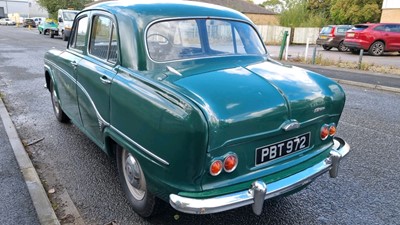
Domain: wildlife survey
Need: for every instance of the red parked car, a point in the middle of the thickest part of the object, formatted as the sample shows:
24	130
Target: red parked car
376	38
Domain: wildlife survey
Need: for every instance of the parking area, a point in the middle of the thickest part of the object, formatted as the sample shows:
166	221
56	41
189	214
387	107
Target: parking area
298	51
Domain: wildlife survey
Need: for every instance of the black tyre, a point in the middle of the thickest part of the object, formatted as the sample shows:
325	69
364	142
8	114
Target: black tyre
133	183
64	37
327	48
58	112
342	47
40	32
355	51
51	34
377	48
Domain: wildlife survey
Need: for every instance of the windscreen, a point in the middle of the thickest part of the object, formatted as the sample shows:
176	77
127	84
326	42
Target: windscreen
198	38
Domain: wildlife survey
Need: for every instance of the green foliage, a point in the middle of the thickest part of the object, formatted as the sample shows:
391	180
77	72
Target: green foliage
317	13
356	11
53	6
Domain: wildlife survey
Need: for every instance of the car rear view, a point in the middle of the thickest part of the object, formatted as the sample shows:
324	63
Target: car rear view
332	37
374	38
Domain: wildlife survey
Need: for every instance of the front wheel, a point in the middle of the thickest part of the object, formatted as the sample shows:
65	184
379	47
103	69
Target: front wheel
51	34
134	184
377	48
59	113
64	37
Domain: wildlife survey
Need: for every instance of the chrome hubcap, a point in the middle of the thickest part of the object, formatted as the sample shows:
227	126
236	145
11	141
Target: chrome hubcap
378	48
55	103
134	176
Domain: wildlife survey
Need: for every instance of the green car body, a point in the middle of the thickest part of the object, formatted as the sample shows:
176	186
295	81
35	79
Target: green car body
47	26
174	114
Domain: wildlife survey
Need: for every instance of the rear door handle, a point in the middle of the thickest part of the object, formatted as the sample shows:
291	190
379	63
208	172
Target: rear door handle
105	80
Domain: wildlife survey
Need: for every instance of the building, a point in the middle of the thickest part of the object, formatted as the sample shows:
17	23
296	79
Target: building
259	15
390	11
22	8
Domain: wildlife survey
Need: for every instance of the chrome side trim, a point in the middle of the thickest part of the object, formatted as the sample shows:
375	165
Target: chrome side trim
140	147
251	196
102	122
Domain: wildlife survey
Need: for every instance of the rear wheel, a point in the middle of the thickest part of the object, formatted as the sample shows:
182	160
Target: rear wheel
51	34
342	47
327	48
377	48
64	37
58	112
133	183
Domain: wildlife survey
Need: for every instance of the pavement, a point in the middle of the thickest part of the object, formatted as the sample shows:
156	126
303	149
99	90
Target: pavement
32	206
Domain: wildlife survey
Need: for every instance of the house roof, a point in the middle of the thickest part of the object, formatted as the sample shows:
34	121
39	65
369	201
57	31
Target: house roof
242	6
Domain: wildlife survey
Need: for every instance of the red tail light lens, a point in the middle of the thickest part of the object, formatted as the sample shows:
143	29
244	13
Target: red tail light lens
216	167
332	34
332	129
230	163
324	132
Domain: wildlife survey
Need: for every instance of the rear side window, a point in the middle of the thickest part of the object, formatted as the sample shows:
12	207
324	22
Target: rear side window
103	42
342	30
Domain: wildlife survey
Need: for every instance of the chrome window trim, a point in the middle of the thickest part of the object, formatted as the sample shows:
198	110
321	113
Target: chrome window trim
195	18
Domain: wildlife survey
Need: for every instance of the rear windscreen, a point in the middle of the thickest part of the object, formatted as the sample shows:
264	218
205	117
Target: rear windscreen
326	30
359	27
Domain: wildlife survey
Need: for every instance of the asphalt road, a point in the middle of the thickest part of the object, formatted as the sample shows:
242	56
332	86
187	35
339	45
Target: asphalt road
366	191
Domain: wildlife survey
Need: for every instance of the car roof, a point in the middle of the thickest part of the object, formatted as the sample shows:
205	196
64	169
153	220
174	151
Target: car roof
148	11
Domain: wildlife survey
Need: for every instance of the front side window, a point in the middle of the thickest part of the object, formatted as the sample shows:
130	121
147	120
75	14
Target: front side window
200	38
103	42
80	32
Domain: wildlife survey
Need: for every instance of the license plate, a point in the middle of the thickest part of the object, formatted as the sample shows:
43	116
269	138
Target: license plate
350	35
279	149
323	37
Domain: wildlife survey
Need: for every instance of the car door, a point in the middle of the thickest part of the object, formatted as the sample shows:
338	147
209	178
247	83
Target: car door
392	37
65	74
95	74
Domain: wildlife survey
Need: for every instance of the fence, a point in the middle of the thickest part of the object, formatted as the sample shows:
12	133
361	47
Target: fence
273	34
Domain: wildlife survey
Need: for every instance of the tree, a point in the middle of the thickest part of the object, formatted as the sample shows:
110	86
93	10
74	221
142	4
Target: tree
53	6
355	11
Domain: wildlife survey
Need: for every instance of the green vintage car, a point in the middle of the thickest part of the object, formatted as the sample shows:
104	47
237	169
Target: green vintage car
197	114
47	26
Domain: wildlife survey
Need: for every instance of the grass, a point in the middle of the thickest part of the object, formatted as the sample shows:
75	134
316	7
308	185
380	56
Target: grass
319	60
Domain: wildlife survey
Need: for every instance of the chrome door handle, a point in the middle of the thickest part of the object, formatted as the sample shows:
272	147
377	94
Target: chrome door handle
74	64
105	80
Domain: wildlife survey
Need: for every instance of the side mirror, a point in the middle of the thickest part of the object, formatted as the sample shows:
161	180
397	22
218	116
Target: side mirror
60	20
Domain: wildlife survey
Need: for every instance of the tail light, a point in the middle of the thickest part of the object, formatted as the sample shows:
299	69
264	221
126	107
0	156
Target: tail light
228	163
327	130
332	34
216	167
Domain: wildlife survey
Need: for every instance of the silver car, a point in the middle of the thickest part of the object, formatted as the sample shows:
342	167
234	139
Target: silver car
6	21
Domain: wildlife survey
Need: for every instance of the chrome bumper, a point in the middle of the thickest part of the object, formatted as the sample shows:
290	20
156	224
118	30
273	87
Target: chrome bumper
259	191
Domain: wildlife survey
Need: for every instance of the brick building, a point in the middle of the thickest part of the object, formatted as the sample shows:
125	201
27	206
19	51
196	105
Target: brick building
390	11
259	15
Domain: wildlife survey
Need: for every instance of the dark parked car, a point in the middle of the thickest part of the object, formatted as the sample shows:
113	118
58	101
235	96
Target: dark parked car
376	38
28	22
197	114
332	36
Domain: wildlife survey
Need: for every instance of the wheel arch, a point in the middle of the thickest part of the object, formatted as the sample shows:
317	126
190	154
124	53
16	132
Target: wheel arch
376	41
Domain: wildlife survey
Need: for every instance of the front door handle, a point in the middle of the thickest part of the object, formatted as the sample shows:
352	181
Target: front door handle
105	80
74	64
